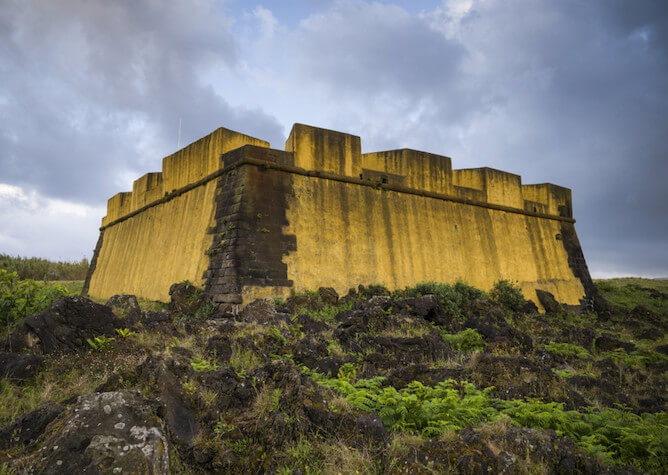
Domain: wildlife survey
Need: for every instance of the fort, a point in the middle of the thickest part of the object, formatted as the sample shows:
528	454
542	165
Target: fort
245	221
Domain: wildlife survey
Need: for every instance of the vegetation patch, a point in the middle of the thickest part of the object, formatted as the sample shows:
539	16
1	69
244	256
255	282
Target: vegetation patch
467	340
567	349
616	435
630	292
20	298
329	312
508	295
453	298
599	381
43	269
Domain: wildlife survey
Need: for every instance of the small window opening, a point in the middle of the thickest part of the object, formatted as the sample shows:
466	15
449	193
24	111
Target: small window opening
384	179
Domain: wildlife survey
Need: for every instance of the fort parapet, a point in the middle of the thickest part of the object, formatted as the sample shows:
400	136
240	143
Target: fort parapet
244	221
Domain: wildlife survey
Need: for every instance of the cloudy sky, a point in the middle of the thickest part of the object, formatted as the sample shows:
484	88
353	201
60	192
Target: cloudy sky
571	92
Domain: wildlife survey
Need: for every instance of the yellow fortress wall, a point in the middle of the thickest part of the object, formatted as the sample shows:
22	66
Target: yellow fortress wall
167	242
247	221
398	239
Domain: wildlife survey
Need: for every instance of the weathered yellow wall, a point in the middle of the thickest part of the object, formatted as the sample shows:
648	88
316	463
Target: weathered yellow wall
337	229
146	254
166	243
356	234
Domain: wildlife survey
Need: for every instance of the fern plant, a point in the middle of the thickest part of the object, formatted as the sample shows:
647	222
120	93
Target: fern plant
100	343
616	435
202	364
125	332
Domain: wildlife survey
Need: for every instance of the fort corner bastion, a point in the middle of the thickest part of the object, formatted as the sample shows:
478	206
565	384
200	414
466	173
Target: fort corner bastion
244	221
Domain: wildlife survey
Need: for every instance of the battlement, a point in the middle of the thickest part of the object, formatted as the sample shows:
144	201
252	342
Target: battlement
188	165
336	153
244	220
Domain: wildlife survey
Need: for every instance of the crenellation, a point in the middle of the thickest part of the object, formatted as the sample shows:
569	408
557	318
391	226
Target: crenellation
410	168
499	187
117	206
325	150
556	198
202	157
146	189
469	178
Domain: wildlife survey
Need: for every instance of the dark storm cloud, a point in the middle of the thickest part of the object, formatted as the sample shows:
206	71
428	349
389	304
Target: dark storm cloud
92	92
569	92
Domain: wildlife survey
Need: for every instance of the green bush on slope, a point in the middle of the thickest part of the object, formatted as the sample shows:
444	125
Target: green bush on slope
466	340
453	298
508	295
20	298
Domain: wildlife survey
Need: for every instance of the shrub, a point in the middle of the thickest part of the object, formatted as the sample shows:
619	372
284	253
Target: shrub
468	293
467	340
508	295
20	298
206	310
453	298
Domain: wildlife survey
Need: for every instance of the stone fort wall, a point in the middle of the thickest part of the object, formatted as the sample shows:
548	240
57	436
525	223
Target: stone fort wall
246	221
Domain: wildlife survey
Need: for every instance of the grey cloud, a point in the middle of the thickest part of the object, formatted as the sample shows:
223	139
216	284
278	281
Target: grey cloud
93	91
568	92
363	49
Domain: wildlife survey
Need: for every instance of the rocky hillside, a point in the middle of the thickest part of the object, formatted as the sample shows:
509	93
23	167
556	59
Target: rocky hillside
432	379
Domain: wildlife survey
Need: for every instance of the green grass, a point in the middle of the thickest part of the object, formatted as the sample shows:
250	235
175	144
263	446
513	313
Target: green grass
152	305
62	377
329	312
629	292
74	287
638	359
202	364
569	373
567	349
